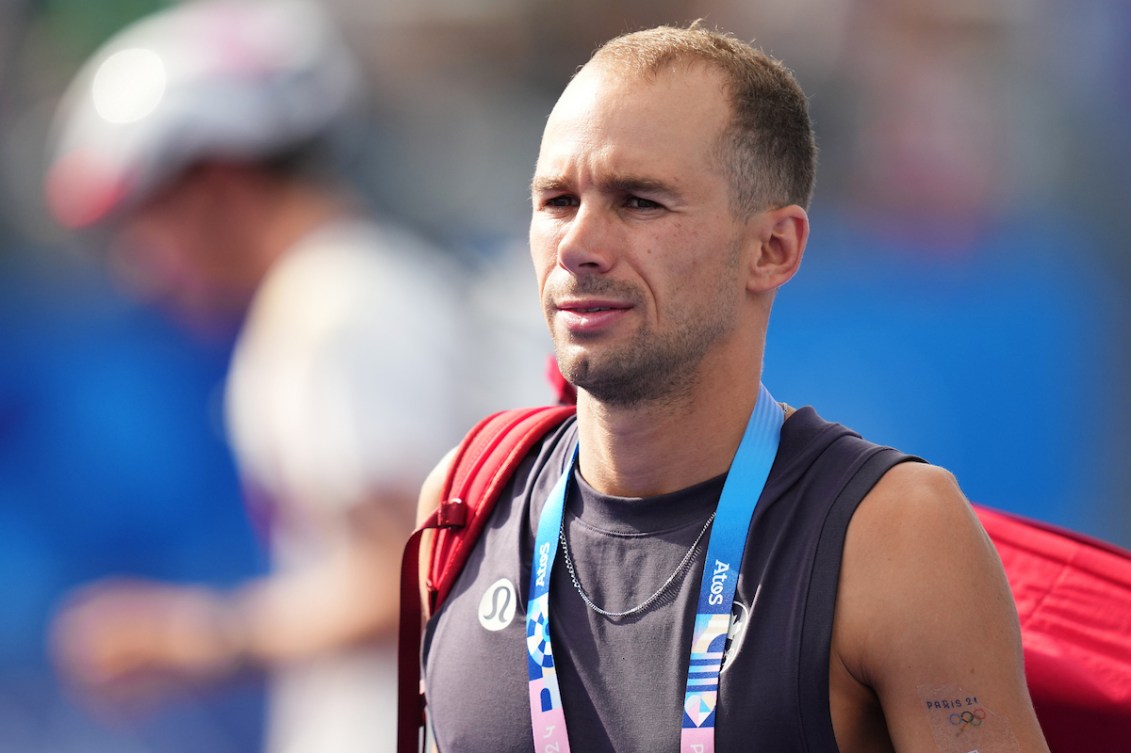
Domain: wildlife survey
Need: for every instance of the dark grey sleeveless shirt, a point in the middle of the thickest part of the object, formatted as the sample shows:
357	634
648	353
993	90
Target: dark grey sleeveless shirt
622	679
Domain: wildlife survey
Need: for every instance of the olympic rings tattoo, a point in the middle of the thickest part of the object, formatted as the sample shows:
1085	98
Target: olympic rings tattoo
968	719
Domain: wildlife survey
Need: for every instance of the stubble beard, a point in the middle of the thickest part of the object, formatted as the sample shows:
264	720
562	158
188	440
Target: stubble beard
651	367
647	370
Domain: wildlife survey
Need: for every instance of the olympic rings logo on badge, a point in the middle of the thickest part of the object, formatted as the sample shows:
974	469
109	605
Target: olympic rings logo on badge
968	719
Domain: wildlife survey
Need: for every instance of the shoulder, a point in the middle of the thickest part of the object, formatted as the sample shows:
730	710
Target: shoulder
355	265
916	528
916	562
913	494
916	516
433	487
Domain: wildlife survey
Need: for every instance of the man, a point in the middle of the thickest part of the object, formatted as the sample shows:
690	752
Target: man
871	612
196	141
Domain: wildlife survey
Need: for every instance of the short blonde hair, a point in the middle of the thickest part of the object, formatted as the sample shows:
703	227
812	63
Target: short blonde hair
768	151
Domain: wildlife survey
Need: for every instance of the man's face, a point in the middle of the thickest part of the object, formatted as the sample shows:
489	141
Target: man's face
636	251
179	251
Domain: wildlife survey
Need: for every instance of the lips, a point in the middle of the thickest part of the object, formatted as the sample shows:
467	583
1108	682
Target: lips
589	317
581	308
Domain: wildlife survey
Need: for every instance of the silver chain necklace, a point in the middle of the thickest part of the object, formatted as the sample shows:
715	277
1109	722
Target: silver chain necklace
680	569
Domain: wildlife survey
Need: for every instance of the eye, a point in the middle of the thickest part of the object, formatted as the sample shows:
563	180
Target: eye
561	201
637	202
555	202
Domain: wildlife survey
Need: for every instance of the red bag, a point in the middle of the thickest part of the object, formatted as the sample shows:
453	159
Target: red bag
1073	595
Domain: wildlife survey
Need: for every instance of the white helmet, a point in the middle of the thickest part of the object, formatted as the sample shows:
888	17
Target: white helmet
212	79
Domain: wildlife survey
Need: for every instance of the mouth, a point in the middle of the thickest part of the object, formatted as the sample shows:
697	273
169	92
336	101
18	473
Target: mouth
587	310
589	317
590	306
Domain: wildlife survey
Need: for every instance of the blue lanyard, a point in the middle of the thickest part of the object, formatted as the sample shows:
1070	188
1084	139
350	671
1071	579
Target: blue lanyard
743	487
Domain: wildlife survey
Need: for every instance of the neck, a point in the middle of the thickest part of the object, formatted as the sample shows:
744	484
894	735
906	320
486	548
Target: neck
646	450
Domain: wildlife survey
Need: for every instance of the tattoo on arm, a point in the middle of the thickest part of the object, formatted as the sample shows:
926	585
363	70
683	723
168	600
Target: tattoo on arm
961	723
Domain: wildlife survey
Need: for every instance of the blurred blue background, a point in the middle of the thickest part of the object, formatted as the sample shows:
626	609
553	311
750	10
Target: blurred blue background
963	296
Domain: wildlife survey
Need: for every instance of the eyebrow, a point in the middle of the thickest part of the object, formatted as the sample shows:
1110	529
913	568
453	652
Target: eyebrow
617	184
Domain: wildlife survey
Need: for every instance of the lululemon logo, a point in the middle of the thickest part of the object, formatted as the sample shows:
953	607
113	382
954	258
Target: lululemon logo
498	605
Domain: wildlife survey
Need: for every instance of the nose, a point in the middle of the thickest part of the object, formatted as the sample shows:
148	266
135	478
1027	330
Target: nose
588	242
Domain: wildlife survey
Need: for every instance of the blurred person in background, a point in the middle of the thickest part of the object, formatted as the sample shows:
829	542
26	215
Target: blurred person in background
194	144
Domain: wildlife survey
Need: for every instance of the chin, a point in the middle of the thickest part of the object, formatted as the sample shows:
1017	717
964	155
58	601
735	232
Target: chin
575	367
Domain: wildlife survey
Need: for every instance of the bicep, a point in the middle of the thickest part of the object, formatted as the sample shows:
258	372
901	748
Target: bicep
926	620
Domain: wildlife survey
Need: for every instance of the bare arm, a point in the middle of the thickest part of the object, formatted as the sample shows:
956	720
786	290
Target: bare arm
427	503
926	638
349	597
129	641
430	493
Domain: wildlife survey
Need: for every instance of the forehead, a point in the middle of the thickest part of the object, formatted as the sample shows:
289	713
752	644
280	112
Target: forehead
609	120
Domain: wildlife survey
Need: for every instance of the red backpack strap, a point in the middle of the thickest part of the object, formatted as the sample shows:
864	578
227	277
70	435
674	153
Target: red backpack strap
483	464
486	461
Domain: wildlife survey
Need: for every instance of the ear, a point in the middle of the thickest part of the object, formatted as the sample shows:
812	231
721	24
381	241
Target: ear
779	243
